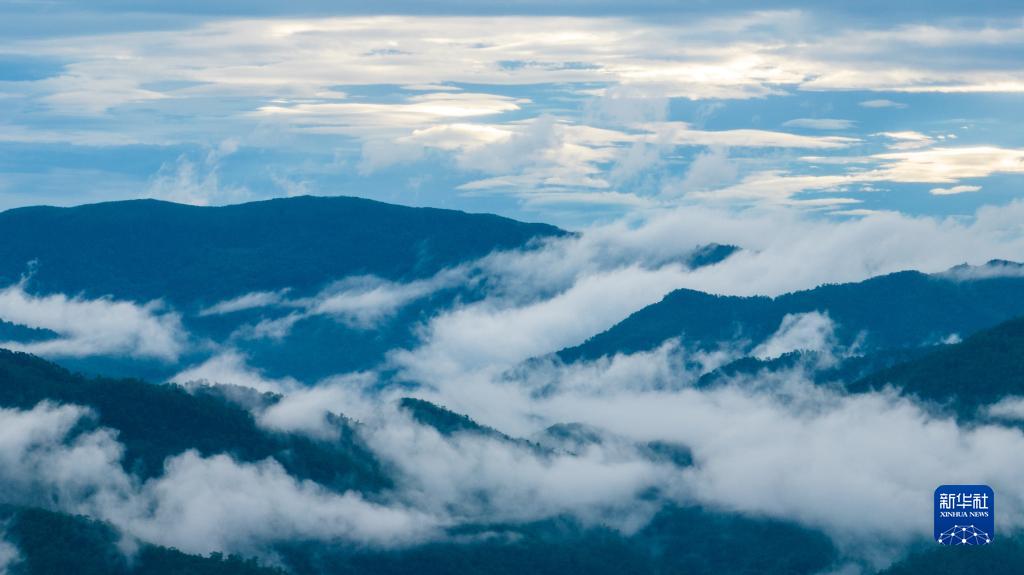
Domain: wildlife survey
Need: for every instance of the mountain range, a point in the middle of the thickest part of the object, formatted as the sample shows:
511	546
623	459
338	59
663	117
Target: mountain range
953	341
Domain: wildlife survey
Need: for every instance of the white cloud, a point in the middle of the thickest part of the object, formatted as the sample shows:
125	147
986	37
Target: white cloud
812	331
207	504
307	410
953	190
198	505
882	103
490	335
103	326
229	367
947	165
991	269
820	123
9	554
710	169
360	302
916	162
283	75
681	133
1010	408
253	300
188	183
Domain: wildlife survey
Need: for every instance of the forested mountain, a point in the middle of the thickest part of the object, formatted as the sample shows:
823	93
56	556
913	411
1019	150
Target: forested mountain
678	540
51	543
905	309
187	255
980	370
158	421
1005	556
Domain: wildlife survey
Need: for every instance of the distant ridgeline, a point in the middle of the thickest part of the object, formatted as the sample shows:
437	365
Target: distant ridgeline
903	310
194	257
191	256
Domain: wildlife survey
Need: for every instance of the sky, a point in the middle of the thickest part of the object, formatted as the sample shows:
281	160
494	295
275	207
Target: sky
566	112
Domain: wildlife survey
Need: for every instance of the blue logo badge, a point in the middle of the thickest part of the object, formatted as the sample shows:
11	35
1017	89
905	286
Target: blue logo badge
964	515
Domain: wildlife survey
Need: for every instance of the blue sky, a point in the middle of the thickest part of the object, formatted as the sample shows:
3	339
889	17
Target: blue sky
570	112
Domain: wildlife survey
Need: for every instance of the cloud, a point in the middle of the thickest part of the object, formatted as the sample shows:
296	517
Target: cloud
486	335
383	91
185	182
207	504
252	300
569	289
229	367
907	140
360	302
308	410
10	556
681	133
953	190
88	327
882	103
198	505
747	438
710	169
990	269
812	331
820	123
46	464
914	162
478	478
1008	408
948	165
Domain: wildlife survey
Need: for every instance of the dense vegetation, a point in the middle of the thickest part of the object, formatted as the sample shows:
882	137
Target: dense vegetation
678	540
58	544
15	332
1005	556
146	249
980	370
844	369
158	421
905	309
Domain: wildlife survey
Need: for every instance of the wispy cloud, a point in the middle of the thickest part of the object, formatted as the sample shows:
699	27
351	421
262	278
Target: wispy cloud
88	327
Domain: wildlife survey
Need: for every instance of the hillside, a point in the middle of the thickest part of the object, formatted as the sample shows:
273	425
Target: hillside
51	543
905	309
146	249
158	421
978	371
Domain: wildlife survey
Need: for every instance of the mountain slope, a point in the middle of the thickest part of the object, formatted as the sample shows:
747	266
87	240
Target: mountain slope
1005	556
51	543
147	249
678	540
158	421
980	370
903	309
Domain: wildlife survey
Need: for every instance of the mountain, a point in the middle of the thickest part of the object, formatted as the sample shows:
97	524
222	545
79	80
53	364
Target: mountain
842	369
677	540
1005	556
52	543
193	257
904	309
158	421
188	255
980	370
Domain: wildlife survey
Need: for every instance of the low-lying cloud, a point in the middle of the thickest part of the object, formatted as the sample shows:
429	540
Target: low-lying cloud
88	327
200	504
